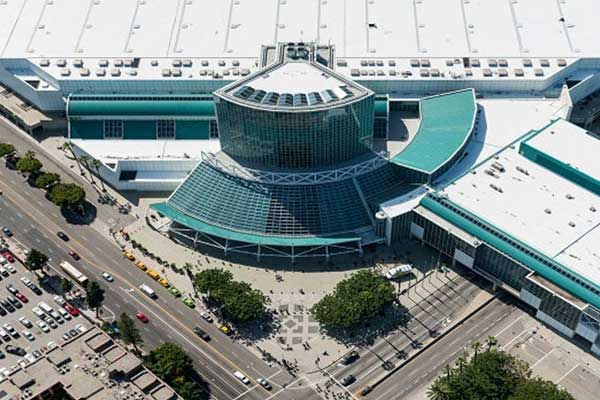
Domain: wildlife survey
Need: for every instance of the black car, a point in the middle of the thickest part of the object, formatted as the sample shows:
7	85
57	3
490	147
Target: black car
14	302
201	333
2	355
366	390
7	305
63	236
2	312
349	380
7	231
12	289
18	351
35	289
73	333
350	358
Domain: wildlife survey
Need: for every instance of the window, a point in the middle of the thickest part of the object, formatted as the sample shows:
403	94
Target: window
113	129
213	129
165	129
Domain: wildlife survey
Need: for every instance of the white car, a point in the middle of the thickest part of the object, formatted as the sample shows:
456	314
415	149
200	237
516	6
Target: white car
37	311
25	322
43	326
28	335
63	313
80	328
108	277
57	317
26	281
11	269
3	261
59	300
11	330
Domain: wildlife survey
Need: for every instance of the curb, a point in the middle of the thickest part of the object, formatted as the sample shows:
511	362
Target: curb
379	381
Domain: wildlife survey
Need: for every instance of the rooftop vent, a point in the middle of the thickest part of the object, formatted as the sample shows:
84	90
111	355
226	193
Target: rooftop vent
569	196
548	211
572	224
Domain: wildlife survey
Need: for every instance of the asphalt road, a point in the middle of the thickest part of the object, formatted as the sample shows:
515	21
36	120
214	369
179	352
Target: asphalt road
433	310
424	368
35	221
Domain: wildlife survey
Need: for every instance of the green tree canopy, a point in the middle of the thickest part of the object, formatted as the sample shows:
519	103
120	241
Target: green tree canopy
6	149
354	300
35	260
129	332
538	388
29	163
67	195
492	374
46	180
66	285
94	295
173	365
238	301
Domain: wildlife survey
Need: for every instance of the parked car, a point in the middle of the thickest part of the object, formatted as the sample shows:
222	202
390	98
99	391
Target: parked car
206	316
350	358
25	322
14	302
189	302
225	329
6	254
28	335
43	326
11	268
21	297
174	291
72	310
12	289
349	380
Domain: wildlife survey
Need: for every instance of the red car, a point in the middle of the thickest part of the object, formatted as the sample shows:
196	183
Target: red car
9	257
72	310
21	297
142	317
73	254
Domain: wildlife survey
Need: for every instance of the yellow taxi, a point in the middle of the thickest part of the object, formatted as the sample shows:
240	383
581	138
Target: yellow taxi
164	282
141	265
153	274
225	329
128	256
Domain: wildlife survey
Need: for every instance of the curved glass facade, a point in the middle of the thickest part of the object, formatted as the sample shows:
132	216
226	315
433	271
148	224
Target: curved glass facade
298	140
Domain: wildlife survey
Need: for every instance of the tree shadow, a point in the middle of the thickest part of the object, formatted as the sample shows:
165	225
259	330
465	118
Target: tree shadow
391	319
74	217
264	328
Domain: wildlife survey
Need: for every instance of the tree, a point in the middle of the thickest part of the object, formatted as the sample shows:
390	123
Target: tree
129	332
68	195
47	180
69	146
85	160
538	388
66	285
438	391
6	149
97	164
354	300
94	296
29	163
170	363
238	301
35	260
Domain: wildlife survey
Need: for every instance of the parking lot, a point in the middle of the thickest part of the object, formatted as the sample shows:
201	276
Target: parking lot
31	318
552	357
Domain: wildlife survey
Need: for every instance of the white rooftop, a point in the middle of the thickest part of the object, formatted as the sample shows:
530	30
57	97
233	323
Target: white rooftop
297	77
236	29
570	144
549	213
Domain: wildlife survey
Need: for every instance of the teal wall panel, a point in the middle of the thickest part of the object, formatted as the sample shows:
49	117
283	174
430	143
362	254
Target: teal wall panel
139	129
87	129
190	130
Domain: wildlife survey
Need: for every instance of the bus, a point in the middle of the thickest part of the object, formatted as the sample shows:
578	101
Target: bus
74	273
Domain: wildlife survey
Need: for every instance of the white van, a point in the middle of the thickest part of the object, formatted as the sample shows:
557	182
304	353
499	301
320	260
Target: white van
45	307
148	291
241	377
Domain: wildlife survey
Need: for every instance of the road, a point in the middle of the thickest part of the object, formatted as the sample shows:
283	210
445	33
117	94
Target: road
413	377
433	310
35	221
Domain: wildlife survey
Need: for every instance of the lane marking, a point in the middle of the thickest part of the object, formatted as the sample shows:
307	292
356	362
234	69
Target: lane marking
90	262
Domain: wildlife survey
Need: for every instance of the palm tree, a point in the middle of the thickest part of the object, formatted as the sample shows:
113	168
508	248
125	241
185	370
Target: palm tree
84	158
476	347
491	342
462	360
448	372
69	146
439	390
96	164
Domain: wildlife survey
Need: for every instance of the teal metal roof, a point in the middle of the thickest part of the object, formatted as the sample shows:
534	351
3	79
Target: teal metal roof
446	124
151	106
195	224
513	247
381	107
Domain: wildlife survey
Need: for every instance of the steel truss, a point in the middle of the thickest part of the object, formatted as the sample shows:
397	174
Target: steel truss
191	238
301	178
